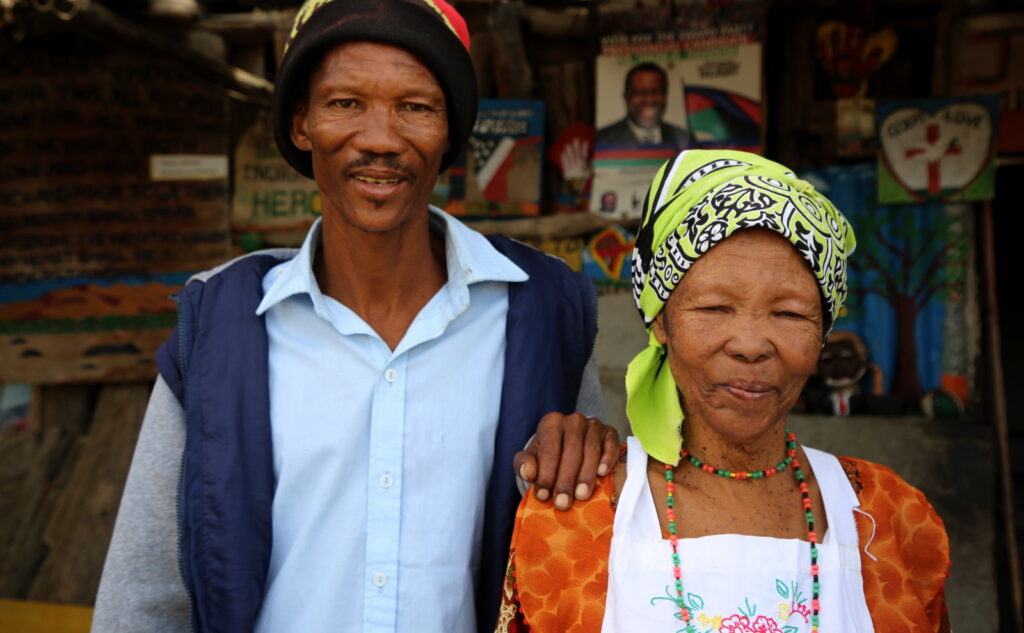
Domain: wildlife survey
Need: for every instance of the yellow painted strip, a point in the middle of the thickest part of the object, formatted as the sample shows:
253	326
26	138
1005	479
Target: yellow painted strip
443	16
19	616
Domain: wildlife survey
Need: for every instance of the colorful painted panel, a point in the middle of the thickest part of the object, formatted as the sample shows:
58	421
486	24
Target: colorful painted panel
986	55
937	150
105	208
850	56
269	194
607	257
910	288
500	172
95	328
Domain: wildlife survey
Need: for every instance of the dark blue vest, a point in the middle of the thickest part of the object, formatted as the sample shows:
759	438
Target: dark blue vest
216	364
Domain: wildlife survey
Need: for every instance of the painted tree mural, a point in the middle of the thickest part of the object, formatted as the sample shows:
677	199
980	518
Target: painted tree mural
908	257
908	279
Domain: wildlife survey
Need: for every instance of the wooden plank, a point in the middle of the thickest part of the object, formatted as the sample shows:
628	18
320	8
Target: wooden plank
64	413
105	27
78	531
1002	424
544	227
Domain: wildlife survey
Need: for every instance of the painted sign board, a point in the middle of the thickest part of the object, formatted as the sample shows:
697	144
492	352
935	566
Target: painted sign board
500	171
113	190
269	194
986	56
938	150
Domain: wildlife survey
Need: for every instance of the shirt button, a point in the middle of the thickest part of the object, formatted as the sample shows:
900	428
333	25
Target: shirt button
380	580
391	375
387	481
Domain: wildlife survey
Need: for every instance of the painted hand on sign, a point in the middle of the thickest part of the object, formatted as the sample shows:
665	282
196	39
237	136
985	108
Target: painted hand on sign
575	160
572	152
935	150
850	55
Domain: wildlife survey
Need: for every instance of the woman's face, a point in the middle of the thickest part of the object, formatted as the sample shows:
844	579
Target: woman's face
743	332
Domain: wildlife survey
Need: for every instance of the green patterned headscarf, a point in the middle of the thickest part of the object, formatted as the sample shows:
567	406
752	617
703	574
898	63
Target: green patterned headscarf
698	199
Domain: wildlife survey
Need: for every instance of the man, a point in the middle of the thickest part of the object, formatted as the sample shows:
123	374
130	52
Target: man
644	94
609	200
329	447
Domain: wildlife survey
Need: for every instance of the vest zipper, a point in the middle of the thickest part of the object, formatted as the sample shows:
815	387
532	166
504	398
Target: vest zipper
181	469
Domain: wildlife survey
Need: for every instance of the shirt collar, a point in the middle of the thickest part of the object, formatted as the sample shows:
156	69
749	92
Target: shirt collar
647	134
469	257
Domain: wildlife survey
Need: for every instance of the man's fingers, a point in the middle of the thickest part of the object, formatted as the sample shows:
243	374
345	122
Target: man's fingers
610	450
566	456
592	453
572	456
525	463
549	449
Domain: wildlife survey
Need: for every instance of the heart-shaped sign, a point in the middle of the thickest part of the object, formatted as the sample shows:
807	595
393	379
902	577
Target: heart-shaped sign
936	154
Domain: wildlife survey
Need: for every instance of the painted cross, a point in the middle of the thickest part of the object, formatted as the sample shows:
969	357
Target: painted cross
932	137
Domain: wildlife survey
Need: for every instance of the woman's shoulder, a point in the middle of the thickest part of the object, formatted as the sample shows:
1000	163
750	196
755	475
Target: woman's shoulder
593	516
888	497
558	565
903	539
879	486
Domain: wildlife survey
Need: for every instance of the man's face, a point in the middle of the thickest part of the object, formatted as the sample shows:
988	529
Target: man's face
608	201
376	125
645	98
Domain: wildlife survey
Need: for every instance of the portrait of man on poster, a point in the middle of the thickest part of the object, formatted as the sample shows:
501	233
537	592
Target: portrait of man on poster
644	93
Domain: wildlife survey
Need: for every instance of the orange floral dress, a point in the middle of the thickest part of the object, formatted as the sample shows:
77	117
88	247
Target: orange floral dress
557	574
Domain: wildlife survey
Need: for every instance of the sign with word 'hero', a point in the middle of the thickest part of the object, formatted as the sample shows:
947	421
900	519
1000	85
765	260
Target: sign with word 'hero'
269	194
937	150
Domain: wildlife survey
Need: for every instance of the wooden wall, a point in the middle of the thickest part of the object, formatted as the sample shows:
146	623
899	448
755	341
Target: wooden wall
60	487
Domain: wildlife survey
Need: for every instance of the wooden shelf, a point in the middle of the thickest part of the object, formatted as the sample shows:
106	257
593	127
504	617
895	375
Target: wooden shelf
107	27
545	227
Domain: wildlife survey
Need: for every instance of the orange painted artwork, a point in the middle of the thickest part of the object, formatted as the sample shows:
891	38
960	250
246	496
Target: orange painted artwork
85	328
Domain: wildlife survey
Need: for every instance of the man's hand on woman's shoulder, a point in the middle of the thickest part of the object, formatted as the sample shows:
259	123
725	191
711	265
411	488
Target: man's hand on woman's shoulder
566	456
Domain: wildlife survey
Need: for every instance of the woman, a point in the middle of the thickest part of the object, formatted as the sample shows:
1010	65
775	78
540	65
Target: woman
739	274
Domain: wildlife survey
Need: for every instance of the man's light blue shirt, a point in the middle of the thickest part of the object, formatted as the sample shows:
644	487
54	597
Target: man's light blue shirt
381	456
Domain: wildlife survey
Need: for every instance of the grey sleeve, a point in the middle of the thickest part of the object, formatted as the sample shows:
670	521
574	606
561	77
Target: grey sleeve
141	588
590	401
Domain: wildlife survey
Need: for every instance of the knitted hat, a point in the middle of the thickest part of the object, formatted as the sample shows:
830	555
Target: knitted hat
429	29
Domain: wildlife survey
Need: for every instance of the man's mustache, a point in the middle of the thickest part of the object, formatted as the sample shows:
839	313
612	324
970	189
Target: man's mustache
381	161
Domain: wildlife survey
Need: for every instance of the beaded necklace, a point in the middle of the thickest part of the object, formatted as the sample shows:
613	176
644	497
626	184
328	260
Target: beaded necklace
805	501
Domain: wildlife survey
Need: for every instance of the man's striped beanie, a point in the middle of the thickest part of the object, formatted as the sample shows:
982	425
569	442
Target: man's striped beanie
431	30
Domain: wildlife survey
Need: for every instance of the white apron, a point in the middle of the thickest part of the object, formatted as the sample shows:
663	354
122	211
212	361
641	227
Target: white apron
733	583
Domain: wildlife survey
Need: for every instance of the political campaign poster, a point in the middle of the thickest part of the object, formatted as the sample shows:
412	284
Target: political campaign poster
658	93
937	150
